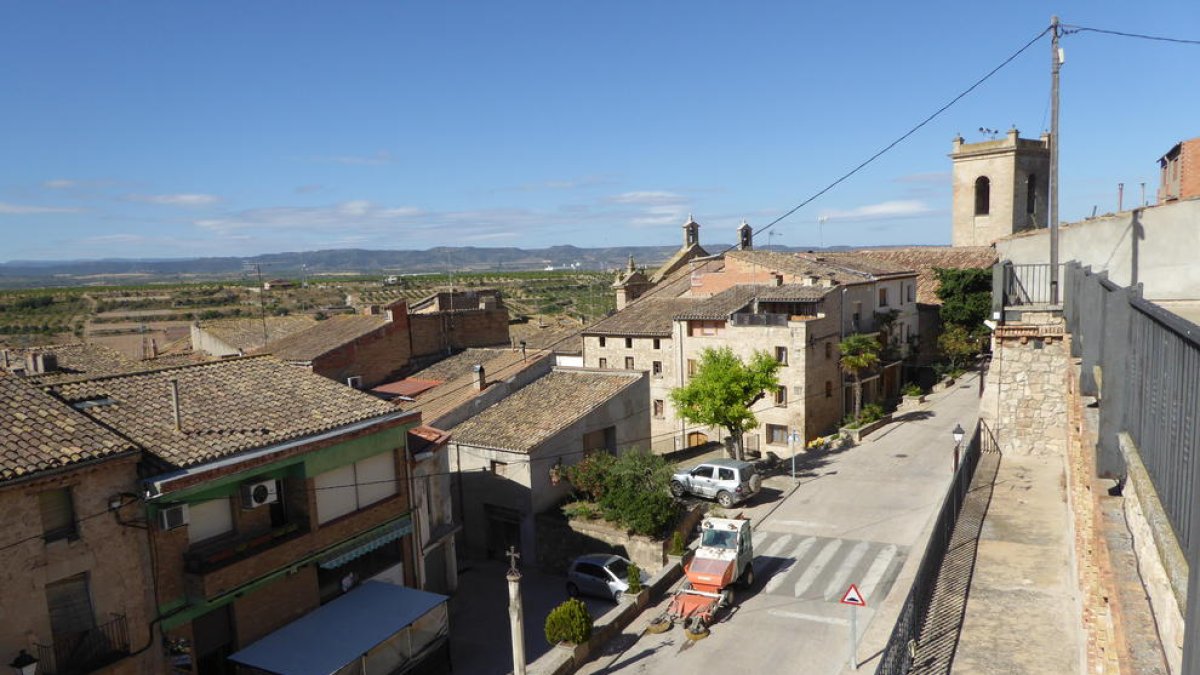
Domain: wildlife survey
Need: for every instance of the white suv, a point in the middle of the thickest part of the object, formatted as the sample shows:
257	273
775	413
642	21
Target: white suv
729	481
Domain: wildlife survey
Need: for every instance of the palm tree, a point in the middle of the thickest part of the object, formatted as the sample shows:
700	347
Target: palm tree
859	352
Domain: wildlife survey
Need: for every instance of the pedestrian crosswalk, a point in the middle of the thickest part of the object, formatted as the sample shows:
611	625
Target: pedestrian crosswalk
822	568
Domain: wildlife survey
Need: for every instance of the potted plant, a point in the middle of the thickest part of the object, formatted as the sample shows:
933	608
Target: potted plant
570	626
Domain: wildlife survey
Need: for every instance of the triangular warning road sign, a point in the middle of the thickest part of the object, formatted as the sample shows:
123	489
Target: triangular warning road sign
854	597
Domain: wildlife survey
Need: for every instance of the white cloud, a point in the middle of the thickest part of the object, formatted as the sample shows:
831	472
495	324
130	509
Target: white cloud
29	209
60	184
648	198
184	199
906	208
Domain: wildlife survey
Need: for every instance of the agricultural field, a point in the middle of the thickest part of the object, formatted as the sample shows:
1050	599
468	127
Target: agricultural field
133	319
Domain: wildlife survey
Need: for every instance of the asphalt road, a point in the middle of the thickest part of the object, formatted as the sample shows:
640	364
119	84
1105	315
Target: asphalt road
854	516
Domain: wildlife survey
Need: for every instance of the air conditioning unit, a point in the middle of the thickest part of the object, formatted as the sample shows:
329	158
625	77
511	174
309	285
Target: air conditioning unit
255	495
173	517
354	382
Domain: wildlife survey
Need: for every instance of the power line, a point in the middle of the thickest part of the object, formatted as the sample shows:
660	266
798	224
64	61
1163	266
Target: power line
905	135
1069	29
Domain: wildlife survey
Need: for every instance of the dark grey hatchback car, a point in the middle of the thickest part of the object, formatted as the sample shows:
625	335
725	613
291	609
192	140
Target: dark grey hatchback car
603	575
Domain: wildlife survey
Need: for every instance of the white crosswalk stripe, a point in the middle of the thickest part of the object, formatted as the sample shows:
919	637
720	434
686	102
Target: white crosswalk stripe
818	565
797	554
838	585
822	568
875	572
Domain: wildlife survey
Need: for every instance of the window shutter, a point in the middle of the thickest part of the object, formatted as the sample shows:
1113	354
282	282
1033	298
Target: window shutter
58	513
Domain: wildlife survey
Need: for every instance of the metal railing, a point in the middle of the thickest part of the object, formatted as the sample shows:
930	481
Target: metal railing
760	319
1143	364
86	651
1022	285
897	656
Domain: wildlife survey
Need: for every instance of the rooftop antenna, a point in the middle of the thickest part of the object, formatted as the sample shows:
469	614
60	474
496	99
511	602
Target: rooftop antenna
820	231
990	133
771	235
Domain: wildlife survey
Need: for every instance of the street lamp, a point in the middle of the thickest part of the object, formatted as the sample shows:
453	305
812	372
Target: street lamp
958	436
24	664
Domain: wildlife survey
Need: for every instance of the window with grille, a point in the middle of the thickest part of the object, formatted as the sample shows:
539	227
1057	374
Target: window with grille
656	368
58	515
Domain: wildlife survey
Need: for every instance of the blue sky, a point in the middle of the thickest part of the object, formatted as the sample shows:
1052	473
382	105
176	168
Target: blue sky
176	129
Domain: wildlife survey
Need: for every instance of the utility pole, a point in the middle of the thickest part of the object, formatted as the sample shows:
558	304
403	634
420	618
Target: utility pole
1055	65
515	614
262	308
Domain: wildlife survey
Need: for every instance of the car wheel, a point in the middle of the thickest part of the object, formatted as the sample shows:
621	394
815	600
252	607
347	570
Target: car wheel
617	596
572	590
724	499
677	488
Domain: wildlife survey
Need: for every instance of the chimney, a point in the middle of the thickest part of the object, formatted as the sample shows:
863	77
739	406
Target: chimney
480	377
174	384
40	363
778	278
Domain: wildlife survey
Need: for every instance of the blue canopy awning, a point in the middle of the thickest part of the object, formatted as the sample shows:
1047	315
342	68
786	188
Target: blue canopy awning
330	637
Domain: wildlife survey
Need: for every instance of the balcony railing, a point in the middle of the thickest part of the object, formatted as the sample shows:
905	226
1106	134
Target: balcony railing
1024	285
208	558
760	319
87	651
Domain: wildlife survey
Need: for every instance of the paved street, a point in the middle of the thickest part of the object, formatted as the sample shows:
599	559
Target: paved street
857	516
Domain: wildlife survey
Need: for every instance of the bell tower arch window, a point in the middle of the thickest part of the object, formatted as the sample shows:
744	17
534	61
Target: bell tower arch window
983	196
1031	194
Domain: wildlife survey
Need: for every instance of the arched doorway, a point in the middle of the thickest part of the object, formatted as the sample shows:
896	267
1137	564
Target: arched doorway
696	438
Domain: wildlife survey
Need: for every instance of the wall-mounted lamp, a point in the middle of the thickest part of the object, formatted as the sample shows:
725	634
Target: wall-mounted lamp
24	664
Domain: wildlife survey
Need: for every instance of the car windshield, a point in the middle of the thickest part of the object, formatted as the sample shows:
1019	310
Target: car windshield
619	568
719	539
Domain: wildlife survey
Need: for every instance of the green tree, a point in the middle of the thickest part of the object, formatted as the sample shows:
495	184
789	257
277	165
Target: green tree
966	296
636	493
723	389
859	352
958	345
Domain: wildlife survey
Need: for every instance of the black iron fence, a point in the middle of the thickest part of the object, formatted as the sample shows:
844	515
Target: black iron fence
1143	364
1023	285
85	651
897	656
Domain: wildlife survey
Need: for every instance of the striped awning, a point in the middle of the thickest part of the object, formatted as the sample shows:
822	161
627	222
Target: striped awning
364	544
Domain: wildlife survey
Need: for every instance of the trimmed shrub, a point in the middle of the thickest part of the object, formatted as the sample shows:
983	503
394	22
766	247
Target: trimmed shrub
634	579
913	389
677	543
569	622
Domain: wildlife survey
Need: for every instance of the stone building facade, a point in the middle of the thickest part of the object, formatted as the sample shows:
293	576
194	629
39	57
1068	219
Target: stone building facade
794	306
75	588
1000	187
269	491
509	458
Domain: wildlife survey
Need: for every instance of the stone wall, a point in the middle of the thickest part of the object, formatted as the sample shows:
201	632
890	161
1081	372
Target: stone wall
1025	395
115	559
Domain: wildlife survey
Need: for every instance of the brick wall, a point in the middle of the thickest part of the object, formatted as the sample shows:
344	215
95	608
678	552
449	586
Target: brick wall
1189	176
373	357
115	558
273	606
446	331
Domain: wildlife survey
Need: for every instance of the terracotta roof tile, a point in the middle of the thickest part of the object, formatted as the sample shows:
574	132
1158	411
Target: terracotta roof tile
925	259
436	402
86	360
226	407
844	268
325	336
523	420
38	432
459	364
247	334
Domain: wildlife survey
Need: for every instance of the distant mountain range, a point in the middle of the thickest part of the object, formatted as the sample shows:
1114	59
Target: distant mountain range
24	273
